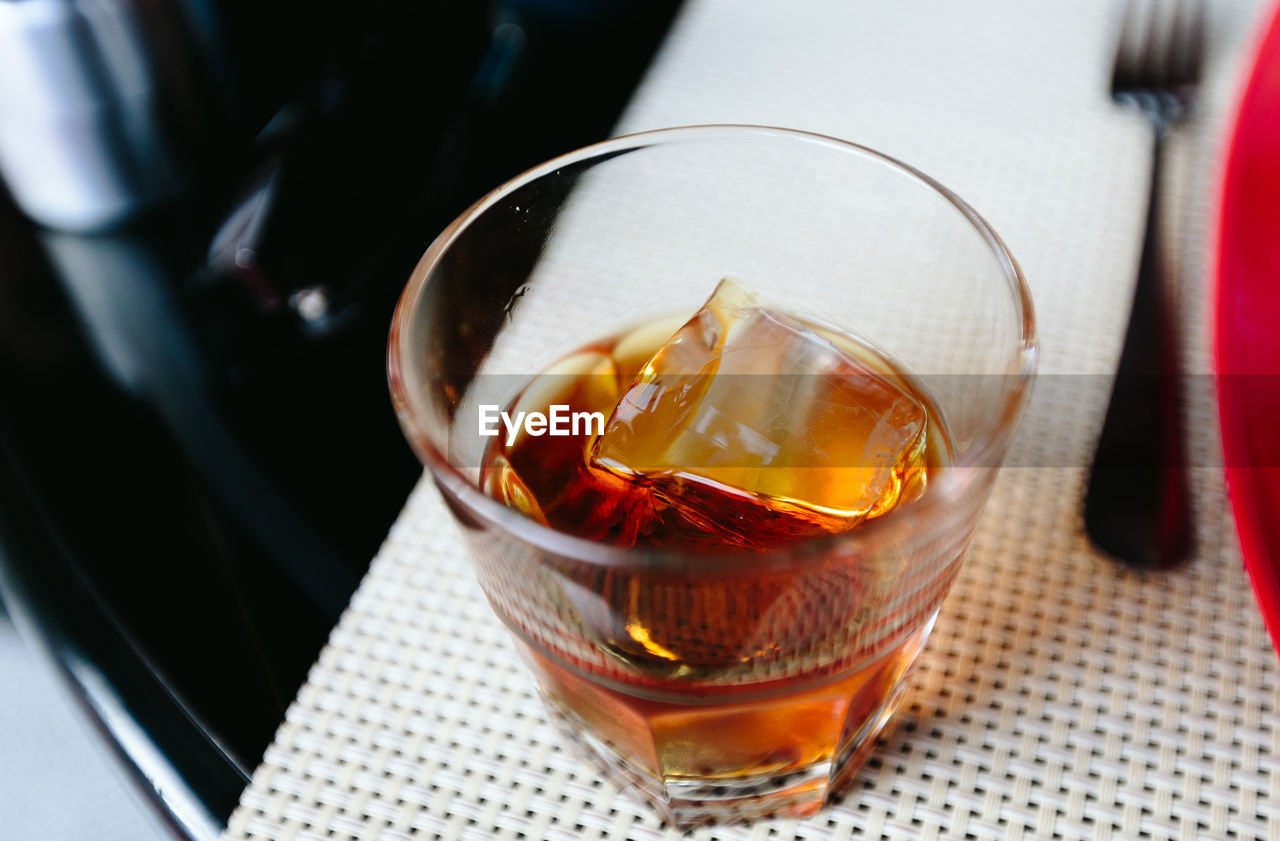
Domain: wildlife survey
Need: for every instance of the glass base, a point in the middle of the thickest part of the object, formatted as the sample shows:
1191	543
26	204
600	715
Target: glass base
720	763
686	802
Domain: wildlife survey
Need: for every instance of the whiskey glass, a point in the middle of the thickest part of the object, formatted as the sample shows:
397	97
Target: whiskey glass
785	662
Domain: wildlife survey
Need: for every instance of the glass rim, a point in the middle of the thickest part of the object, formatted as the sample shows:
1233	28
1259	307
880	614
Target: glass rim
953	481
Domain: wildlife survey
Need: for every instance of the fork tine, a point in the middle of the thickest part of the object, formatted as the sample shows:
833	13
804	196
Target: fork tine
1188	45
1160	48
1194	45
1175	47
1184	45
1128	59
1162	52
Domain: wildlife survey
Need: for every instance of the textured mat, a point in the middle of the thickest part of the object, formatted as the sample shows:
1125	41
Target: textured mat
1058	696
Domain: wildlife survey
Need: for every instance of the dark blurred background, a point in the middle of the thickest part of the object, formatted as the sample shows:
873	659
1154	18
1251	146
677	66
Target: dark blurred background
209	209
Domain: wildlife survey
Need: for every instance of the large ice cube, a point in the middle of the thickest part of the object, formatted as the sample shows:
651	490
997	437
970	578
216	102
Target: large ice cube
751	426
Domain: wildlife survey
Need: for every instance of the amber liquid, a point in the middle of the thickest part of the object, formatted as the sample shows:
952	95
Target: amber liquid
717	688
798	740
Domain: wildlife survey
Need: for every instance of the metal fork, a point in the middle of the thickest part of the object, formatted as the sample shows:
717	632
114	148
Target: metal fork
1136	504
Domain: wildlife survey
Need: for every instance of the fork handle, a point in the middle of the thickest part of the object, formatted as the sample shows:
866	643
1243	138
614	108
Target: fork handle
1136	504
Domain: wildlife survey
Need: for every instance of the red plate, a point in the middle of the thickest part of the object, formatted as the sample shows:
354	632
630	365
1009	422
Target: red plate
1246	257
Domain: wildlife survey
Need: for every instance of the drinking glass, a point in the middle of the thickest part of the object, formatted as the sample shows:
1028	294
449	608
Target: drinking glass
779	666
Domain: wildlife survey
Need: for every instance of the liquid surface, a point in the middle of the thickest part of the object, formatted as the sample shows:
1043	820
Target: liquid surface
743	426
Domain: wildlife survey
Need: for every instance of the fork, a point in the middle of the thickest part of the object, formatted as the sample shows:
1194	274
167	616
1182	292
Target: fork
1136	504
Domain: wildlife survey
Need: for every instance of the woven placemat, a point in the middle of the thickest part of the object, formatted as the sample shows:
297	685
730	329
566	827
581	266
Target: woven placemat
1059	696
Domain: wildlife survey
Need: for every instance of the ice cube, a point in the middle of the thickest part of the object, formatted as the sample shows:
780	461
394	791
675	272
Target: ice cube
751	426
